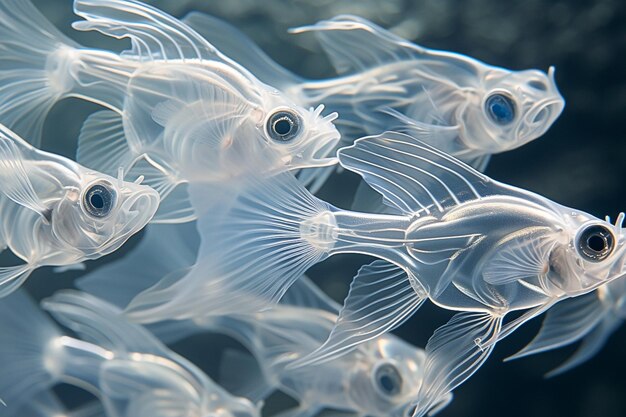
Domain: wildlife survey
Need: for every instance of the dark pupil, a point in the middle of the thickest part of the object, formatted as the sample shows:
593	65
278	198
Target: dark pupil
387	383
596	243
282	126
501	109
97	201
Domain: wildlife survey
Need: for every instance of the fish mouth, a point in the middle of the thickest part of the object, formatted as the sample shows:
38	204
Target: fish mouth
539	119
135	213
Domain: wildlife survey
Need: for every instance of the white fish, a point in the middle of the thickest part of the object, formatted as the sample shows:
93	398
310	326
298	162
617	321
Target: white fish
123	364
177	109
55	212
458	238
453	102
591	318
379	378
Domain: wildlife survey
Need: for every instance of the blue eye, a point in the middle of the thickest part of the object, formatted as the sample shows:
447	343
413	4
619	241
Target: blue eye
388	379
500	108
99	200
283	126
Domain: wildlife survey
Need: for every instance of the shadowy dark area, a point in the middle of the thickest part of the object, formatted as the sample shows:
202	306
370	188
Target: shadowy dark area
580	162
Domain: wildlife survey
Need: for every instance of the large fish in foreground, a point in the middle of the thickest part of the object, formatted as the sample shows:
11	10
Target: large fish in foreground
453	102
458	238
55	212
177	110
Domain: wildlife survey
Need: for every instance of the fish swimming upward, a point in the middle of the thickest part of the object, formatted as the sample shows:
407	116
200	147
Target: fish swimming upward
124	365
458	238
177	110
55	212
453	102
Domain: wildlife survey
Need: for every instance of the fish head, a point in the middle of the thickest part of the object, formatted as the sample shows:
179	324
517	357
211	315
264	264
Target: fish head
99	213
592	255
302	138
390	377
514	108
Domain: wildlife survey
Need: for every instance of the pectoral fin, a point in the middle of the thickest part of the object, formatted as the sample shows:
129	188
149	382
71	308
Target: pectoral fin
565	323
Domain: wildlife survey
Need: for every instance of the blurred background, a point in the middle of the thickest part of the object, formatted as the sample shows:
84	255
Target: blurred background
580	161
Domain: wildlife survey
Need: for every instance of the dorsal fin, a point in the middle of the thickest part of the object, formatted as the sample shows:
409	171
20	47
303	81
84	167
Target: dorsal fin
354	44
236	45
153	33
101	323
414	177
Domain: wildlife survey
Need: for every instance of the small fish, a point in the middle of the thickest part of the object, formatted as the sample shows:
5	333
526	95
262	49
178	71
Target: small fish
56	212
456	237
591	318
124	365
453	102
177	110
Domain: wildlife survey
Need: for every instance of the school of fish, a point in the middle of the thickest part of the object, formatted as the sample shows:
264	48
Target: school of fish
218	152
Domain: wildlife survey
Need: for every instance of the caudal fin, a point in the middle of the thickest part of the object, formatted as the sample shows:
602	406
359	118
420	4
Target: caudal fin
250	254
24	352
30	82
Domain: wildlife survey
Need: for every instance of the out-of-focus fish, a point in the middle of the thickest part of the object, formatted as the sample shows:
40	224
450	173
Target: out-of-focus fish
378	378
46	404
458	238
592	318
55	212
123	364
453	102
177	109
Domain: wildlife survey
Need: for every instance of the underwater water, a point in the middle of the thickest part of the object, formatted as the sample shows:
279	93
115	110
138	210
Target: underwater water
579	162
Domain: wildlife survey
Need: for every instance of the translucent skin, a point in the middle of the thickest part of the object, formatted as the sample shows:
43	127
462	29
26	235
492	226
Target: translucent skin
187	107
51	225
284	334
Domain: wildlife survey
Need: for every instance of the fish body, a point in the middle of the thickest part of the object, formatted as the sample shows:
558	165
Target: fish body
131	372
453	102
177	109
56	212
454	236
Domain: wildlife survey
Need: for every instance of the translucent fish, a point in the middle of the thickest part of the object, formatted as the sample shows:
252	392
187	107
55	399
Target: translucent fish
177	110
590	319
55	212
379	378
458	238
123	364
453	102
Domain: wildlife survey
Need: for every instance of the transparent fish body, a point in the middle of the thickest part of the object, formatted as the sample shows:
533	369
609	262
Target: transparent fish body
56	212
453	102
130	371
379	378
455	237
177	109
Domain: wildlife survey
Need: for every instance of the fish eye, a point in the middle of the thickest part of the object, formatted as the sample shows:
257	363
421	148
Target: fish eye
283	126
595	243
99	200
500	108
388	380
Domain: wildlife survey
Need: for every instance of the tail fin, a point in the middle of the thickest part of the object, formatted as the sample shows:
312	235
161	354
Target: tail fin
249	255
29	85
26	337
237	46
